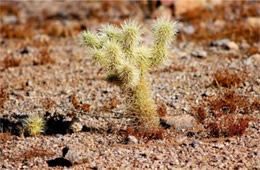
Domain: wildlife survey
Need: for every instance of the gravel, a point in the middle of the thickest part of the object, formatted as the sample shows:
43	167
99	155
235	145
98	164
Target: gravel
93	139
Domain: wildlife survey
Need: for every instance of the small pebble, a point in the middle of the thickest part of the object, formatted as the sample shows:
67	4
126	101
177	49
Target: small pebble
253	21
220	42
132	140
231	46
255	57
180	122
189	29
199	54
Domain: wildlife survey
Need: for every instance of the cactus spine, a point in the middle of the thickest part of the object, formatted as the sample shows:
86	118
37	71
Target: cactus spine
128	62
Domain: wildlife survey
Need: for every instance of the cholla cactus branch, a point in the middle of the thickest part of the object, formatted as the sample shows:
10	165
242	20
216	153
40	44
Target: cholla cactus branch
164	31
130	35
109	32
91	40
127	62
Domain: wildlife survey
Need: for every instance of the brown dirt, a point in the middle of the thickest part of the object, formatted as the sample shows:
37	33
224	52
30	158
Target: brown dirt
44	71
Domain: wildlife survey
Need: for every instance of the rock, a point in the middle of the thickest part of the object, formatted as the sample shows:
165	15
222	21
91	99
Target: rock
162	11
256	89
256	57
167	2
182	6
131	140
42	38
248	61
216	27
221	42
76	153
199	54
186	57
10	19
189	29
180	122
180	139
231	46
226	43
244	45
253	21
215	2
25	50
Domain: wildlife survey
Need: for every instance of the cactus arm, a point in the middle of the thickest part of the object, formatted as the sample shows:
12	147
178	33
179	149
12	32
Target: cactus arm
110	32
113	53
130	35
128	74
142	57
91	40
164	31
99	57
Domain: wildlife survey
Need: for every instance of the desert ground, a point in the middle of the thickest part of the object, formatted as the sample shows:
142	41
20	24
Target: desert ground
207	93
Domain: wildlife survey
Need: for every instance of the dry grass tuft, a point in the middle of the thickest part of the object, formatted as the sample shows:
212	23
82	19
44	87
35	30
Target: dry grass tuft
4	138
3	98
20	31
201	113
48	103
7	9
228	79
10	61
141	133
74	101
76	104
29	154
226	115
162	110
60	29
44	58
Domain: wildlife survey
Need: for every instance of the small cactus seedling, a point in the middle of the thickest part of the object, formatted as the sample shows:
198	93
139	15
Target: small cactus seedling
34	125
128	62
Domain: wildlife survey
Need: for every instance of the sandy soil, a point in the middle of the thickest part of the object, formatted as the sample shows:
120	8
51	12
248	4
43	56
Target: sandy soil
44	71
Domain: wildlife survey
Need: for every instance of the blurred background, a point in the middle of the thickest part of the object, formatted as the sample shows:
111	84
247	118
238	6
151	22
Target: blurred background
199	20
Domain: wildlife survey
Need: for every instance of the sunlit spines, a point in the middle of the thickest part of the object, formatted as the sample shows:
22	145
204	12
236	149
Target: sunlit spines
164	32
142	54
113	53
99	57
34	125
130	34
90	40
109	32
128	74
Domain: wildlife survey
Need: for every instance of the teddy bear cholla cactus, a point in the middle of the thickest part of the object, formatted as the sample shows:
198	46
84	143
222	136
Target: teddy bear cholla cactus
127	62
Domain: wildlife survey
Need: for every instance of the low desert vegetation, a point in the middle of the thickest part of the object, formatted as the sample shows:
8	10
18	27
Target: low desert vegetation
227	114
3	98
228	79
10	61
127	63
34	125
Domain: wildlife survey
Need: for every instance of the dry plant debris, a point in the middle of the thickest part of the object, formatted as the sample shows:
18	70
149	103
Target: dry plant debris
10	61
3	98
44	58
228	79
226	115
